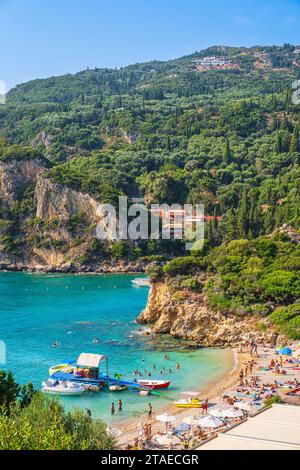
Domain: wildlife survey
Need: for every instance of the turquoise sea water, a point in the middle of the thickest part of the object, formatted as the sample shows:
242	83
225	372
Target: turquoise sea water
38	310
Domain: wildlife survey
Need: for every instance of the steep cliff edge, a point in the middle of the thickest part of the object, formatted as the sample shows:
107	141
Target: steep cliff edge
46	226
59	202
16	176
187	315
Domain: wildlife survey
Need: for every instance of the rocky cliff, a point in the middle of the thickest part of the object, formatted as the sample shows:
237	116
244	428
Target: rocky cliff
16	176
55	201
55	230
187	315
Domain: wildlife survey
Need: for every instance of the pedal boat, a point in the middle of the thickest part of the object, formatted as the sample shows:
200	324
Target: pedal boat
190	403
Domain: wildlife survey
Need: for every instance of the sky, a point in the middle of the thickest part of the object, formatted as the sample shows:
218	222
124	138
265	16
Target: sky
42	38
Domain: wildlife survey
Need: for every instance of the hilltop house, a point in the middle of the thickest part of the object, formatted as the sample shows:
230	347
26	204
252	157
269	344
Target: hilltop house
212	61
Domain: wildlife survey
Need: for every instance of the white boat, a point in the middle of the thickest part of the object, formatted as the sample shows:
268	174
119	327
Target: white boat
118	388
141	282
56	387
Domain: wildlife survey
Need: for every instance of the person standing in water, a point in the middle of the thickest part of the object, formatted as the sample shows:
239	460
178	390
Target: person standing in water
112	409
120	406
150	411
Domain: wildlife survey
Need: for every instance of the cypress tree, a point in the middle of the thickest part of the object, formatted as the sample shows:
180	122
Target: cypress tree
294	146
227	152
168	144
243	215
278	143
229	225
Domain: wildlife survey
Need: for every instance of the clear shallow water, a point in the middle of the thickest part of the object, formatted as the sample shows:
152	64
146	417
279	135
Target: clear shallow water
37	310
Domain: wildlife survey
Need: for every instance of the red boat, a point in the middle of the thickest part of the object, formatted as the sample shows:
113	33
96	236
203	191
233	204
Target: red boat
153	384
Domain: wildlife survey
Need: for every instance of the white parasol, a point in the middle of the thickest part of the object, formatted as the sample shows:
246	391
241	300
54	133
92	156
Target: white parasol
217	412
192	420
210	422
241	405
232	413
166	418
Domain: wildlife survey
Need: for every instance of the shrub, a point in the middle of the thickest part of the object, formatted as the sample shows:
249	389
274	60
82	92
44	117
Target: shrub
282	286
155	272
37	422
191	284
288	320
183	266
270	401
118	250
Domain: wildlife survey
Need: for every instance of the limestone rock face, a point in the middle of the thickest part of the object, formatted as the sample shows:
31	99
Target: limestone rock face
188	316
52	245
55	201
16	176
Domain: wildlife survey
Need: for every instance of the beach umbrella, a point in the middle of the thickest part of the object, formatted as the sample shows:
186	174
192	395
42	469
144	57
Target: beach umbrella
192	420
217	412
210	422
285	352
232	413
184	427
241	405
166	418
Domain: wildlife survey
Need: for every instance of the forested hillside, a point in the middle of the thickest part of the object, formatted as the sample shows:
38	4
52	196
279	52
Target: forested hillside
176	132
226	135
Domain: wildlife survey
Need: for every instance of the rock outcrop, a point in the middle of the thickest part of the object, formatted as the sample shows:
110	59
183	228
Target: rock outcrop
16	176
59	202
61	235
187	315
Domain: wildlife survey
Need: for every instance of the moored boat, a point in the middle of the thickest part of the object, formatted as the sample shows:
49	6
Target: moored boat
154	384
55	387
141	282
118	388
190	403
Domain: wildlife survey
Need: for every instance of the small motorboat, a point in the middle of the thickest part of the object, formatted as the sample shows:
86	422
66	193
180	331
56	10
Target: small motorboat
154	384
55	387
190	403
141	282
118	388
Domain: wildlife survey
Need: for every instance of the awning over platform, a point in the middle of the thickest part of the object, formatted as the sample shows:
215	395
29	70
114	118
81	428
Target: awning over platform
90	360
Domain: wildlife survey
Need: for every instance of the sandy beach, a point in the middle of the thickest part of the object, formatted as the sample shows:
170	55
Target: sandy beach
226	385
211	390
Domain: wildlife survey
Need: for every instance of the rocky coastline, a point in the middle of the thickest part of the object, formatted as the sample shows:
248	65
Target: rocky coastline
106	267
187	315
